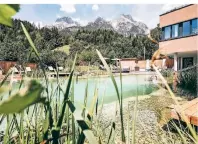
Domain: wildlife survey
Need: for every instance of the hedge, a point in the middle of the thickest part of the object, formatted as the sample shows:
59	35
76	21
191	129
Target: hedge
188	78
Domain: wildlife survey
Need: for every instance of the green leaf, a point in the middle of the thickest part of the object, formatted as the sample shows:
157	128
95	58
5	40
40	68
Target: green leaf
16	7
66	95
30	41
23	99
110	74
6	12
86	131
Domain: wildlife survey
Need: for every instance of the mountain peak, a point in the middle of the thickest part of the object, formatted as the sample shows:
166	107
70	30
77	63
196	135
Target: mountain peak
124	24
65	22
128	17
99	19
65	19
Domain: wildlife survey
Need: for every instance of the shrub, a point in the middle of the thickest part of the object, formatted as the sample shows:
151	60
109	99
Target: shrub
188	79
167	72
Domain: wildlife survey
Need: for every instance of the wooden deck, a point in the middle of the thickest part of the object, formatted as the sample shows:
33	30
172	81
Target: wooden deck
61	74
190	109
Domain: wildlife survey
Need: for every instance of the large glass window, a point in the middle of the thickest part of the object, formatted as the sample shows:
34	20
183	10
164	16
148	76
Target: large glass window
181	29
162	34
175	29
195	26
167	32
186	28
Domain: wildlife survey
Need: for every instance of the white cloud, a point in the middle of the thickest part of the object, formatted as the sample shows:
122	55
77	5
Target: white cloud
95	7
68	8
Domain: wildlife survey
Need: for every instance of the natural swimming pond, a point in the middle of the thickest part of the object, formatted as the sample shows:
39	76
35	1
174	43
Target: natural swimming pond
132	85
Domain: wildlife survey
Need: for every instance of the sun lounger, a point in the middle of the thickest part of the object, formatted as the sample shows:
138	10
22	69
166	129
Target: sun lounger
60	68
50	68
102	67
15	70
125	69
28	69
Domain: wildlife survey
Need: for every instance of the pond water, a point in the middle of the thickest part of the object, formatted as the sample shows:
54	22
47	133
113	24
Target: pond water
132	85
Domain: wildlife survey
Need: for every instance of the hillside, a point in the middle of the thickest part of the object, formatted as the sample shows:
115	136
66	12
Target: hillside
55	46
64	49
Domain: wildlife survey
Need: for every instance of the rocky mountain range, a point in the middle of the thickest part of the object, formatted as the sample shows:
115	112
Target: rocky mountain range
124	25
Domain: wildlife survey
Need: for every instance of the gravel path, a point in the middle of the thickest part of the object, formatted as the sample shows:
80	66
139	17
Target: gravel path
149	123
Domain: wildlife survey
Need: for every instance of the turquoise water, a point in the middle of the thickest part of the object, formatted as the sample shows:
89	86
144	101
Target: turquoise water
132	85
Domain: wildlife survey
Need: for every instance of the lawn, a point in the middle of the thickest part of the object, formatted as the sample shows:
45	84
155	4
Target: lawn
64	48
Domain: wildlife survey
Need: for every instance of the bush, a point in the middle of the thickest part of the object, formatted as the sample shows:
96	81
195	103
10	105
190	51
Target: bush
167	72
188	79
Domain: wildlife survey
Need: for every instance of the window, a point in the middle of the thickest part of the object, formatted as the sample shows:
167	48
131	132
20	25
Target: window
167	32
175	29
162	34
186	28
181	29
195	26
187	62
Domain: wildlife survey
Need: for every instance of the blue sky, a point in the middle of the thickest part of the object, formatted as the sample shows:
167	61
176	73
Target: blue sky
47	13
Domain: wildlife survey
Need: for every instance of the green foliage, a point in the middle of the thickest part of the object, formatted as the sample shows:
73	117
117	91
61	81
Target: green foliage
6	12
111	45
156	33
188	79
64	48
22	99
54	57
167	72
14	45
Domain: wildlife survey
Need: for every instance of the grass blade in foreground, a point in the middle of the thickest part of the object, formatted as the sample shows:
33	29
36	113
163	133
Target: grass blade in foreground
121	107
110	73
66	95
82	124
30	41
117	91
85	99
73	122
135	114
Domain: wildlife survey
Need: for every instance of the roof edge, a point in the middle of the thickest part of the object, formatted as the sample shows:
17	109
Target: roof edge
175	9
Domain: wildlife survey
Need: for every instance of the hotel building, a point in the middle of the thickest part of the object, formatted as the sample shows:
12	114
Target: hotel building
180	35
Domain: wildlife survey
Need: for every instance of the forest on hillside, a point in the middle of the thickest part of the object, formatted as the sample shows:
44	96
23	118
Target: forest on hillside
15	47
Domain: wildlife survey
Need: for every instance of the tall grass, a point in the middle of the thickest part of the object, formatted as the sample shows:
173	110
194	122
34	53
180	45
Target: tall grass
47	119
119	95
183	116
